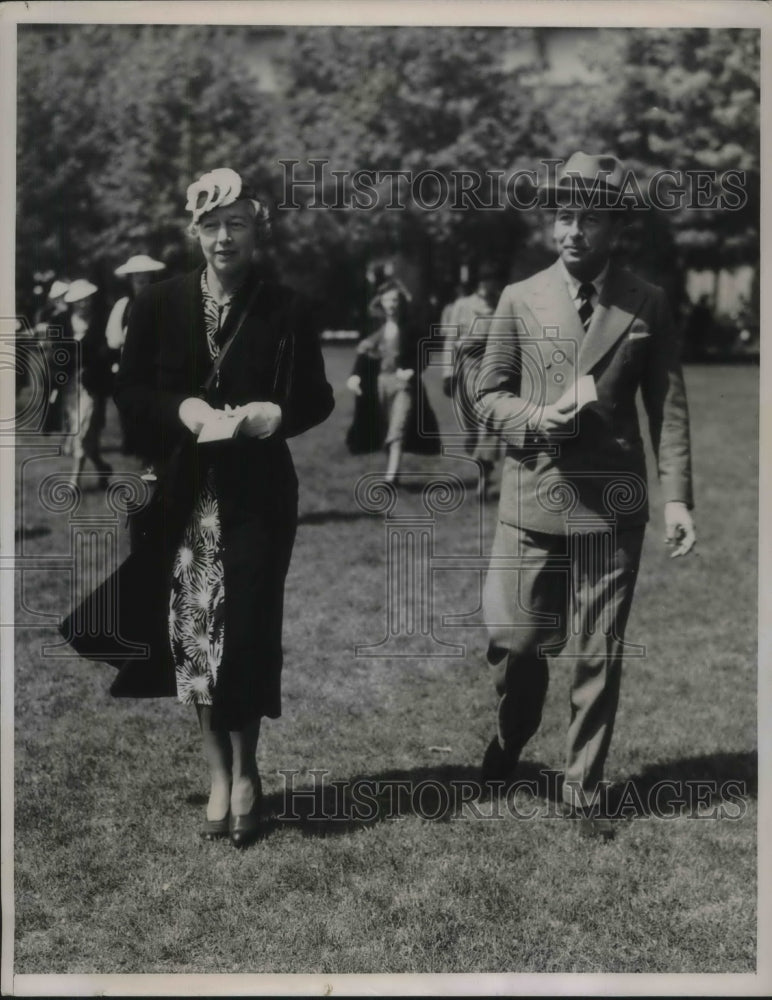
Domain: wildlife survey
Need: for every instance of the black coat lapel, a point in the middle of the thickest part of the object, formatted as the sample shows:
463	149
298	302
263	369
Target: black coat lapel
189	311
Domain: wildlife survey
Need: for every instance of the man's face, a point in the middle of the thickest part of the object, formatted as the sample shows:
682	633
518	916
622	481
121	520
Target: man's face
584	239
228	239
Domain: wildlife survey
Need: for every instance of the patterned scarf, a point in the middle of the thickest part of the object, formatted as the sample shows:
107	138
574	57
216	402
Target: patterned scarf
214	315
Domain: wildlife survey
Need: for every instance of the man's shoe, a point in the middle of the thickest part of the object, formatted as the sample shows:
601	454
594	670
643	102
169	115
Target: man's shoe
592	823
498	766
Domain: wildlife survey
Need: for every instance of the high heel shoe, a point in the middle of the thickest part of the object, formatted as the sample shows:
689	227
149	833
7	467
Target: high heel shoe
213	829
245	828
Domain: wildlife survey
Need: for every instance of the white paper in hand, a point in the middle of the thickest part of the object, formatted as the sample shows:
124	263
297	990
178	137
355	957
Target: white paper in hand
580	393
585	391
221	427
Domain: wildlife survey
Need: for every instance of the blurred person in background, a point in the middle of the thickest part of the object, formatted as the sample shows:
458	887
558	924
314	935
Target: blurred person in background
468	346
41	295
138	271
450	333
54	313
391	409
208	595
89	383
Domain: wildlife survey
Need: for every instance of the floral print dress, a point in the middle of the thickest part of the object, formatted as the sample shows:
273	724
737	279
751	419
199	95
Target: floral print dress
197	603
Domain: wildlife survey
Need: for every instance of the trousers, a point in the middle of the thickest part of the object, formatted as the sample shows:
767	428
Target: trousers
565	596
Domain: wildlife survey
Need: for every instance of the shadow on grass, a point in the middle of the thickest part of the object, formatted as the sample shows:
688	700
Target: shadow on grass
715	777
26	534
332	516
323	807
326	807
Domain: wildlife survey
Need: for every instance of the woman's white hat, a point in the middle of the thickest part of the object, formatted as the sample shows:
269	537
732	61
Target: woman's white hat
58	288
79	289
139	264
217	189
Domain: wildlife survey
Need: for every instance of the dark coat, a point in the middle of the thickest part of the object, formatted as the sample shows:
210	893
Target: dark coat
90	364
368	429
276	356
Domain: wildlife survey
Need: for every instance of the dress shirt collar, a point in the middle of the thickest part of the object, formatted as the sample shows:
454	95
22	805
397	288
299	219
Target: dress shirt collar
573	283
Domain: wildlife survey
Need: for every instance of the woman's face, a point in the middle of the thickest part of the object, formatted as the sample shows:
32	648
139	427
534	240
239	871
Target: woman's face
228	239
139	281
82	307
390	302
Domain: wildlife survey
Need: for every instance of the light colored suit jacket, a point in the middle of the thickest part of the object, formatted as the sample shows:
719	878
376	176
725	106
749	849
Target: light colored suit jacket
594	474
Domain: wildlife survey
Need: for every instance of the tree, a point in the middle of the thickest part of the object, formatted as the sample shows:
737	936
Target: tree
427	101
685	100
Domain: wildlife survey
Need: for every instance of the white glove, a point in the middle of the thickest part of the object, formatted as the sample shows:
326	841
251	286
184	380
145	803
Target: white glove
404	374
194	413
354	384
261	420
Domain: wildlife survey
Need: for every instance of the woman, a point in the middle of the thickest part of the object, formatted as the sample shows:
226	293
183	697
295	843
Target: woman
88	383
387	383
138	271
231	504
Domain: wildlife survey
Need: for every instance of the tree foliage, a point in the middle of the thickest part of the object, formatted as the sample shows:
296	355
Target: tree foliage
115	121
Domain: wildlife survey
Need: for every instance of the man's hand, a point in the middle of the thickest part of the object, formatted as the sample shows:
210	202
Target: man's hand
261	420
194	413
551	419
679	528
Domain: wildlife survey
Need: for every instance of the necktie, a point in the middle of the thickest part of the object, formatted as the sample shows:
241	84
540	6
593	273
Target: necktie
586	292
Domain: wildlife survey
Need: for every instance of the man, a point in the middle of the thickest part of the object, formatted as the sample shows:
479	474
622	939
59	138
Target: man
567	351
467	343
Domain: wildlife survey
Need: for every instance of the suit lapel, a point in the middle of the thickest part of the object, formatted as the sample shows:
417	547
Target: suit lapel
620	301
553	307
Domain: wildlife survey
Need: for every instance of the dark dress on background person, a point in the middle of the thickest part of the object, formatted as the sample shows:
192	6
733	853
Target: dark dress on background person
166	358
87	383
383	410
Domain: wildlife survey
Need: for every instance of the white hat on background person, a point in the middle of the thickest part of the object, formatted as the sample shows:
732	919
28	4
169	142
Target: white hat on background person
58	288
140	263
78	290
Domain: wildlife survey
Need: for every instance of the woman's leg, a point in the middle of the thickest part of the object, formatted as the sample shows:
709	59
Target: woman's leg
399	414
92	438
217	750
395	457
76	469
246	779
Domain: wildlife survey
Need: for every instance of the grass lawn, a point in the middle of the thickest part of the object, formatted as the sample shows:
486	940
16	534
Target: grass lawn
110	873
